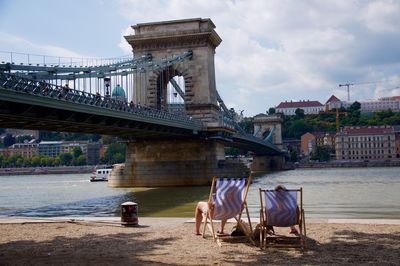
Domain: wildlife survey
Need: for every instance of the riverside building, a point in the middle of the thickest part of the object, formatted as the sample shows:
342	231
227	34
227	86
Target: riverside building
366	143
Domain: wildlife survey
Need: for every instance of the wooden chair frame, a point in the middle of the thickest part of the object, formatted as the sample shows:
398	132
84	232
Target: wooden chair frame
300	222
208	221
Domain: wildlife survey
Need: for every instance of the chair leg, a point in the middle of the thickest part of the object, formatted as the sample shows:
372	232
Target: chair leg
262	229
262	232
211	227
304	230
248	218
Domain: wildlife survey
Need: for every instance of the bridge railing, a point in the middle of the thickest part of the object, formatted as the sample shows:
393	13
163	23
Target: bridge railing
47	60
43	89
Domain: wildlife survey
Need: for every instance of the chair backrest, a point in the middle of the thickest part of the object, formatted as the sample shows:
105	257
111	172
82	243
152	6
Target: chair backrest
281	208
230	193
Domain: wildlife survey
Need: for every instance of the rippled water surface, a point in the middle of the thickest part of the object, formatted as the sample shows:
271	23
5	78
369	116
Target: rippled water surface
328	193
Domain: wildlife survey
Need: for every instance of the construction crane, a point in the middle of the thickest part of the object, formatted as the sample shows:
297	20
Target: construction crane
337	118
348	89
360	83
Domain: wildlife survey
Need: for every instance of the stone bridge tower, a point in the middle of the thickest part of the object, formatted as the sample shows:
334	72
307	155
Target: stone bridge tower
166	39
177	162
269	128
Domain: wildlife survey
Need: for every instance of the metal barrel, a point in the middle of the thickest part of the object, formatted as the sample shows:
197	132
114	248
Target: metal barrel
129	214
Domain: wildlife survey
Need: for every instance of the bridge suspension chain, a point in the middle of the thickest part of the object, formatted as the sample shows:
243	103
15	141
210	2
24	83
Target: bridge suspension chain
135	65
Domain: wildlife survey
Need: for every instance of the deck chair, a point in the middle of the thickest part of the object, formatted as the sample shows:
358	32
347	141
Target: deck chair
282	208
228	196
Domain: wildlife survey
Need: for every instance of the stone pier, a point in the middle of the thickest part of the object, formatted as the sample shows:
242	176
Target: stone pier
267	163
173	163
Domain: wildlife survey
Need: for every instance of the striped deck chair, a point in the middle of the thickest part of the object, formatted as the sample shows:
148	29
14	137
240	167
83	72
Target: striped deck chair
228	195
282	208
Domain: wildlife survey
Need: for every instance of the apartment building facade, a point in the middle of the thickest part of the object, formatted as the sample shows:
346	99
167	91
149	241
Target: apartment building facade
27	150
381	104
310	140
366	143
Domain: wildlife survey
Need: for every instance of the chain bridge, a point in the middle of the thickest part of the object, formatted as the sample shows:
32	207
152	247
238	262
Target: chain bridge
163	100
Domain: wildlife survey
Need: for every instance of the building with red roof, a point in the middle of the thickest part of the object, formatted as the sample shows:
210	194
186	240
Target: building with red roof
309	107
333	103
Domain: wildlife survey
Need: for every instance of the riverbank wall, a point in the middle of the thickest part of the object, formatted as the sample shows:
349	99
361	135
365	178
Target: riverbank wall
342	164
47	170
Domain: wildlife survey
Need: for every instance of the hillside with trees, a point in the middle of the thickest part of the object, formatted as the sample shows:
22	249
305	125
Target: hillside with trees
295	126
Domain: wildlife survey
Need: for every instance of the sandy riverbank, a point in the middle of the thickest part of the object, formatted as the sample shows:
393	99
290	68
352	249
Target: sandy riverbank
170	241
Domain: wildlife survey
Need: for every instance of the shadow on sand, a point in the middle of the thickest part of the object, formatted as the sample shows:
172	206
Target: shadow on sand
150	248
345	247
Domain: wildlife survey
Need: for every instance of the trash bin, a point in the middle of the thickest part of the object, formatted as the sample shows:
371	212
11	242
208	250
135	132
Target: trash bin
129	214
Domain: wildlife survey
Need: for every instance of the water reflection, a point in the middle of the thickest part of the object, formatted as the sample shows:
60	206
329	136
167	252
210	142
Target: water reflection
100	206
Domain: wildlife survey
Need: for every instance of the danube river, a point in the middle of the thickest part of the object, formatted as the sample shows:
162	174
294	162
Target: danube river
328	193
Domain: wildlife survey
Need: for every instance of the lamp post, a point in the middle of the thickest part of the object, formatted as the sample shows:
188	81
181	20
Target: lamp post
107	83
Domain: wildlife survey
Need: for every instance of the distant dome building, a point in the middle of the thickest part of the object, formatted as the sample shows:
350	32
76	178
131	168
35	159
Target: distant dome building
118	93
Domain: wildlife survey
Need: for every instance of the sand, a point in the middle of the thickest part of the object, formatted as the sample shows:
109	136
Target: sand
166	241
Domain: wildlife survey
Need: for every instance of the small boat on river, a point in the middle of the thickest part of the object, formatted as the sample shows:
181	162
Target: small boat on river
101	174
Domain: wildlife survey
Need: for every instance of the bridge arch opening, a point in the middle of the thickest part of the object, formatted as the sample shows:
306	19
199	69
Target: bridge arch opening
176	94
170	91
266	133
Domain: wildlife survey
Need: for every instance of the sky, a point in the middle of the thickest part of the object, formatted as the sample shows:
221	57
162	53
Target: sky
272	50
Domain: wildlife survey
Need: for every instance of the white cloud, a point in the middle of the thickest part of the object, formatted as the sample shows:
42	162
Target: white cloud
123	44
38	53
282	50
279	50
383	16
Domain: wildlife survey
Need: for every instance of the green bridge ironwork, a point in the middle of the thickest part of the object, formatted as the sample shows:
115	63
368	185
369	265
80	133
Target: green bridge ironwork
32	96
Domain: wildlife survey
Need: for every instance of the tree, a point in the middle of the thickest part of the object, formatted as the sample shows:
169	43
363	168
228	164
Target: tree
118	158
81	160
356	106
35	161
115	153
299	113
48	161
321	153
247	124
297	128
65	158
77	151
271	111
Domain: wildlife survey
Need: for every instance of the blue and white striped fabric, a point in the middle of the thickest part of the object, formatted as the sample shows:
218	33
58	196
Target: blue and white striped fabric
281	207
229	197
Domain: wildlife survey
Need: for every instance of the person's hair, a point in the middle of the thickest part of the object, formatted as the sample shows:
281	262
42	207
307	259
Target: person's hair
280	187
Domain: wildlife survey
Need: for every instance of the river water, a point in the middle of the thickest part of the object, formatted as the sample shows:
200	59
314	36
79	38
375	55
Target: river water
328	193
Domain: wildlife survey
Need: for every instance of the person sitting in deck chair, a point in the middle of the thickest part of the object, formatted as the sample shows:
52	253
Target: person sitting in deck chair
282	207
201	210
293	229
227	200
